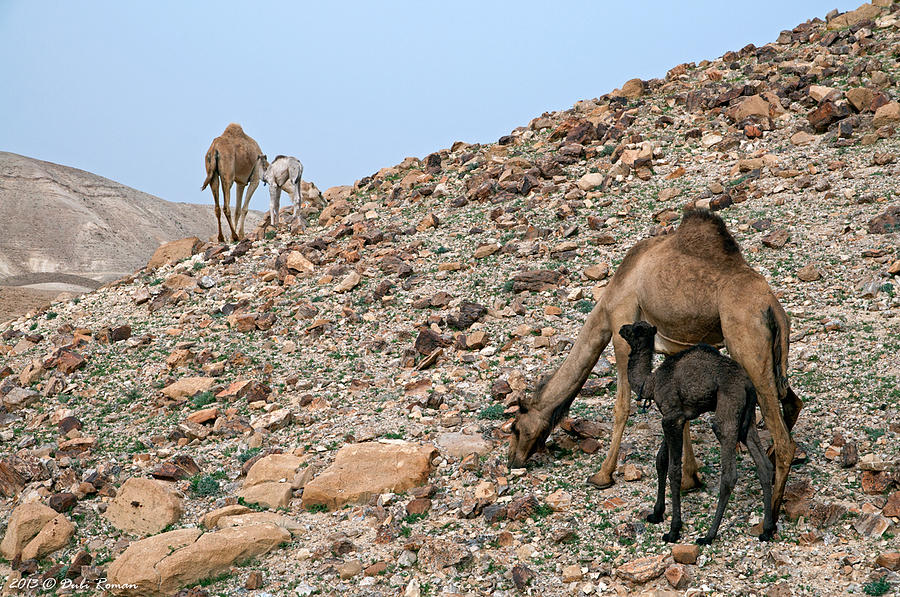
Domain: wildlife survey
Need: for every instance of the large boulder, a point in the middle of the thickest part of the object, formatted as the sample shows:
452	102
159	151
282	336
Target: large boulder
25	522
887	114
865	12
459	445
53	536
162	564
274	467
175	251
360	471
144	506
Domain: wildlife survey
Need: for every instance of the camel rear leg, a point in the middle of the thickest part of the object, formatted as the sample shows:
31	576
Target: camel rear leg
214	187
226	205
251	188
747	352
690	478
297	198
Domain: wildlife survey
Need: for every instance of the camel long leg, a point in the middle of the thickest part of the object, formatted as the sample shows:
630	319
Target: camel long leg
238	223
690	479
603	477
214	187
753	352
297	198
226	205
251	188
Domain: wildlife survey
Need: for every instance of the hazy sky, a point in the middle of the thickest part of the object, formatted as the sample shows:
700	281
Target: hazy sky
137	91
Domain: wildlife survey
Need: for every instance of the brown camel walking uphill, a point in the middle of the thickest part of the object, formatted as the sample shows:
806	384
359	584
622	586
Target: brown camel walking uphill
694	286
236	158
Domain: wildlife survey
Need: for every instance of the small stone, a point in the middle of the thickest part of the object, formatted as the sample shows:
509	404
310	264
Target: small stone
559	500
254	581
522	576
349	569
643	569
632	472
349	282
572	573
597	272
677	576
809	273
485	250
776	239
685	553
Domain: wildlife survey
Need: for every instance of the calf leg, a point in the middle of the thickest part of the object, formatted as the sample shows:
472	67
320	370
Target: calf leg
764	472
727	433
274	201
674	432
662	466
690	478
214	187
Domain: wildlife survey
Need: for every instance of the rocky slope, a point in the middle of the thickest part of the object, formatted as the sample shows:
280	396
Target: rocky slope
335	405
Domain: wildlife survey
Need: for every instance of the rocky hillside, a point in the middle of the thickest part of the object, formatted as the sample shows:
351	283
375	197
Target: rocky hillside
328	411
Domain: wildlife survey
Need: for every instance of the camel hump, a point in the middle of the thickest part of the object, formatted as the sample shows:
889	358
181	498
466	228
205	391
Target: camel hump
704	234
278	157
233	129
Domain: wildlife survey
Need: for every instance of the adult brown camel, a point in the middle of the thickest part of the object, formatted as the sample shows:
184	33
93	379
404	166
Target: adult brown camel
694	286
233	157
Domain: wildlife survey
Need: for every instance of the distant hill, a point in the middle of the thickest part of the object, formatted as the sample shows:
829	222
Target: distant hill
60	220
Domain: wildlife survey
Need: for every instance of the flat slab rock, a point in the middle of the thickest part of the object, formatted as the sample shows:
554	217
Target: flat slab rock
362	470
35	530
644	569
162	564
460	445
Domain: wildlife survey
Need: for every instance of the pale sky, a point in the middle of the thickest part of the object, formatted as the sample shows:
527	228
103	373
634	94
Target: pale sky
136	92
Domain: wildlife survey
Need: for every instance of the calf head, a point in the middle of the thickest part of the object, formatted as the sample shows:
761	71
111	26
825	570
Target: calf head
638	335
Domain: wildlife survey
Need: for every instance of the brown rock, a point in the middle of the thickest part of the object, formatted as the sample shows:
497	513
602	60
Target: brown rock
52	537
144	506
536	280
269	494
755	105
871	525
522	507
678	577
418	506
876	482
25	522
174	251
522	576
888	114
362	470
188	386
826	113
892	507
860	98
632	472
349	569
886	222
429	221
254	581
161	564
210	519
889	560
297	262
643	569
809	273
866	12
776	239
597	272
437	554
62	502
178	467
685	553
485	250
273	468
349	282
572	573
633	89
849	455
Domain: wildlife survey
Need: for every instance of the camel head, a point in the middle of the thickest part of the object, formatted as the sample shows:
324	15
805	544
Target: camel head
639	335
531	427
263	164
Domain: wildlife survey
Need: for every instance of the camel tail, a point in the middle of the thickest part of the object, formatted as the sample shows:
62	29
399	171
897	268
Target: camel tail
779	352
211	171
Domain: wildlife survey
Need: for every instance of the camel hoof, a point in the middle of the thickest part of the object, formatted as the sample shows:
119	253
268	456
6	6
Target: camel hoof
654	519
766	536
705	540
692	483
600	481
671	537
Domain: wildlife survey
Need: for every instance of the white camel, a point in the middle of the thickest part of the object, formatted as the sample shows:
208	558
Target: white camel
283	173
